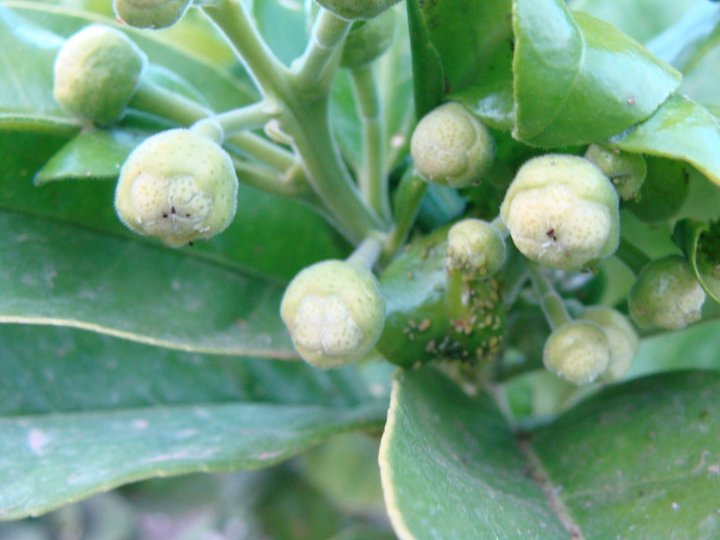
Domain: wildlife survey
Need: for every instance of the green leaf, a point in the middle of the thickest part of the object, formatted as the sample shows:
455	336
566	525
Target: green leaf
680	129
55	273
427	68
475	43
451	467
578	79
82	413
700	243
641	458
283	25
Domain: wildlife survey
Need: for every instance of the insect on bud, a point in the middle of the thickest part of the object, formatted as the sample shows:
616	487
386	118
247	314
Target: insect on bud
621	335
562	212
334	311
96	72
450	146
177	186
150	13
475	247
666	295
626	171
577	351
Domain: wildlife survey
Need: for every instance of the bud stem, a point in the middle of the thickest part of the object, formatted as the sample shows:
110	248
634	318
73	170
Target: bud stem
550	301
368	252
410	194
241	119
372	177
631	256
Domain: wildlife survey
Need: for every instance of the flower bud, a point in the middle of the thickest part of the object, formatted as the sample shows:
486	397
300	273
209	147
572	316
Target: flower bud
177	186
450	146
334	311
664	191
96	73
621	335
368	39
562	212
666	295
577	351
475	247
357	9
150	13
627	171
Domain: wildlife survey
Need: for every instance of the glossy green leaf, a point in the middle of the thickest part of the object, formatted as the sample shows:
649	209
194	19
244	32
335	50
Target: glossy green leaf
475	43
641	458
578	79
81	413
55	273
427	68
700	243
680	129
451	467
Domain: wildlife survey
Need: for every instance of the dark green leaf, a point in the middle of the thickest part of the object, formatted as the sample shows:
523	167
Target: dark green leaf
578	79
55	273
680	129
81	413
701	244
428	77
641	459
475	43
451	467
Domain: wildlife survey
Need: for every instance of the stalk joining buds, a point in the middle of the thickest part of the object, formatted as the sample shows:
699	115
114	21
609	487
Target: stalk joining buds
562	212
577	351
334	311
96	72
666	295
177	186
450	146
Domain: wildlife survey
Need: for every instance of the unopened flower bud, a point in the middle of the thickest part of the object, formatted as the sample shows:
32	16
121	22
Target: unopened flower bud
150	13
96	73
357	9
621	335
626	171
334	311
367	40
562	212
177	186
666	295
450	146
475	248
577	351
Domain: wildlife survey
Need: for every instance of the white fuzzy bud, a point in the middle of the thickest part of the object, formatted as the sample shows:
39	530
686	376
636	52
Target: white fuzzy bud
475	247
621	335
577	351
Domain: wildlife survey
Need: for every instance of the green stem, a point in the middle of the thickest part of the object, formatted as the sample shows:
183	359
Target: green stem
550	301
269	180
372	177
410	194
367	253
314	69
232	18
631	256
500	226
157	100
241	119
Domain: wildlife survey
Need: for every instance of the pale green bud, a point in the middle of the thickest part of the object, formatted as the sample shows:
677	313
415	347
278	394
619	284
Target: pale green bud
562	212
577	351
367	40
334	311
626	171
666	295
150	13
621	335
475	247
450	146
96	72
177	186
357	9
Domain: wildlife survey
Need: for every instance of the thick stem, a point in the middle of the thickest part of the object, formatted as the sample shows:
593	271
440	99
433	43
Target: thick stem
241	119
232	18
367	253
631	256
372	177
314	69
410	194
550	301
